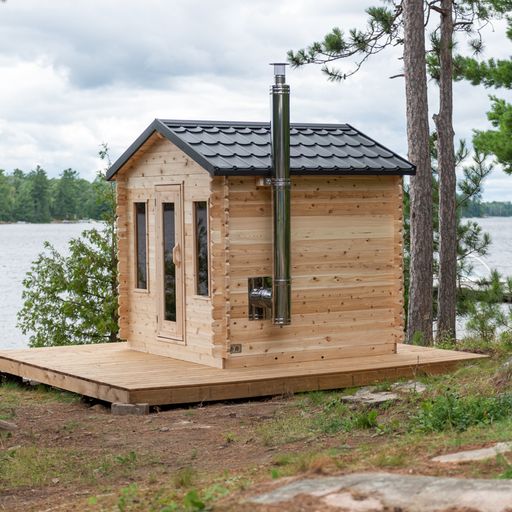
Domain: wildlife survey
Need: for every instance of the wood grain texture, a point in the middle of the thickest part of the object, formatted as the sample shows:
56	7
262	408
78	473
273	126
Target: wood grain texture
347	274
160	164
114	372
347	281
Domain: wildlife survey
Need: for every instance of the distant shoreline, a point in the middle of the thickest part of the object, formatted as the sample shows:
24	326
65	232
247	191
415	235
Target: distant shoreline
82	221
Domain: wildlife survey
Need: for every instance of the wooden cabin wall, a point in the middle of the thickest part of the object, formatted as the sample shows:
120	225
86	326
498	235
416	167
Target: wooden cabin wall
347	276
159	162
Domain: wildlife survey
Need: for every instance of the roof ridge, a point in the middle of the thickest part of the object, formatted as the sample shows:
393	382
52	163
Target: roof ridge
212	122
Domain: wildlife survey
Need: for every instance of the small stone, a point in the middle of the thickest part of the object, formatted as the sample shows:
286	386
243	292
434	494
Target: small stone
7	425
31	382
55	481
164	429
126	409
368	396
473	455
410	386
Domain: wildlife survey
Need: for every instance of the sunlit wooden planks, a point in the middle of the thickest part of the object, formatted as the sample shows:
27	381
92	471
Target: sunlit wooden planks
346	269
113	372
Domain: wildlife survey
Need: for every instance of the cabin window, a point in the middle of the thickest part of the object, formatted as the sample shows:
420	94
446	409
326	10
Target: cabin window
169	243
201	247
141	246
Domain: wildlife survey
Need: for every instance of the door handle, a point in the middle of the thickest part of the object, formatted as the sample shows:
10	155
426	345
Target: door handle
176	255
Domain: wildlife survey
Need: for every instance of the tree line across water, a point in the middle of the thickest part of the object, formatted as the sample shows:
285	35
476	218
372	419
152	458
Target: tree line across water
487	209
34	197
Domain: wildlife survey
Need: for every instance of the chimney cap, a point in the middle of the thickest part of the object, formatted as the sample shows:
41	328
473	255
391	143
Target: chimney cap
279	68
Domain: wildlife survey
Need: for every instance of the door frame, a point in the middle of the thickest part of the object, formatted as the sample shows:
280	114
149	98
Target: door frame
168	330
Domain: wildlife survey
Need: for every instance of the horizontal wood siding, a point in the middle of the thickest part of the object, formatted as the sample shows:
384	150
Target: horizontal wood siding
162	163
346	269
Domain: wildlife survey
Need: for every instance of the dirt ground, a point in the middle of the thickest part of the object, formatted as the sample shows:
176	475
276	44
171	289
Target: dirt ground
208	438
70	454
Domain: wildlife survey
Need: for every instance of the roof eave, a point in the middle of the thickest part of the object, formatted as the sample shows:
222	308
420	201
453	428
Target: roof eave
381	171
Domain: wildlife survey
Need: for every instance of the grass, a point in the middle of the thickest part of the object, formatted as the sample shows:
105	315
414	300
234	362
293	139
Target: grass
184	478
310	433
34	466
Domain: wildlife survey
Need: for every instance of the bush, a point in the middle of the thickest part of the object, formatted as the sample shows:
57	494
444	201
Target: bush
485	317
72	300
451	411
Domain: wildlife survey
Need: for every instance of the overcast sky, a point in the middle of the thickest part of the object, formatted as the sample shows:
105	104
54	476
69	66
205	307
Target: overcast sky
78	73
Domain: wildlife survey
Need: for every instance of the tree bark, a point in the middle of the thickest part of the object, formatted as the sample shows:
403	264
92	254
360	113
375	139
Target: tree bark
419	317
447	287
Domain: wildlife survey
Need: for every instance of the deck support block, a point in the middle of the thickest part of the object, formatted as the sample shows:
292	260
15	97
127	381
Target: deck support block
118	409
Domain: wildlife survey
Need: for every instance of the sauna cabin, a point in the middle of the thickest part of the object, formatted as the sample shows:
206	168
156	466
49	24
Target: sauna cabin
246	244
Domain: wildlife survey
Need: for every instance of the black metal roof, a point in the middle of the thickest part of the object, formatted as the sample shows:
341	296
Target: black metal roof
240	149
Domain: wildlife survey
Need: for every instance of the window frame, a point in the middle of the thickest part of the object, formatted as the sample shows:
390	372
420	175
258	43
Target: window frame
135	245
195	249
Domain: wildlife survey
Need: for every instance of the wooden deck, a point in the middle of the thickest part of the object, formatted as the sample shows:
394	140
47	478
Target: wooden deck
114	373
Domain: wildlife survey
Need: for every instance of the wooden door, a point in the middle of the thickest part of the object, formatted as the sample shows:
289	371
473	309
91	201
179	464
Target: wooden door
169	262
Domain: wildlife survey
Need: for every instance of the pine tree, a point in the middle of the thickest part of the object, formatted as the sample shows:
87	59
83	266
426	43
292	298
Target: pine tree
387	27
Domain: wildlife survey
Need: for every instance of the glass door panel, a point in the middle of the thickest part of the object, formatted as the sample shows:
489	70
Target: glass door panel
169	262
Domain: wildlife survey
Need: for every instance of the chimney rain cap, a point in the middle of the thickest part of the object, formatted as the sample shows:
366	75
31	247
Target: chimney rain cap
279	68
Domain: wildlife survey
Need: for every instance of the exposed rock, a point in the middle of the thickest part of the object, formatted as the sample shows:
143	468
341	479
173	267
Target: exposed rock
379	492
472	455
411	386
367	395
347	501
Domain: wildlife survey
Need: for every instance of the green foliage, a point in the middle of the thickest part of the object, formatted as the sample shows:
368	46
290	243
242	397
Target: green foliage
451	411
33	197
127	496
72	300
485	317
471	239
129	459
499	140
490	73
185	477
192	502
382	29
487	209
498	74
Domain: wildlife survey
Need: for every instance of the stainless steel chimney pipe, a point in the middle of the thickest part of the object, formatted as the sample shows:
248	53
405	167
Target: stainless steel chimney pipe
281	185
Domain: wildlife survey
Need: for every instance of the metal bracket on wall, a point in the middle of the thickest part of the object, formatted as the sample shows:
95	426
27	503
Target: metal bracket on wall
260	297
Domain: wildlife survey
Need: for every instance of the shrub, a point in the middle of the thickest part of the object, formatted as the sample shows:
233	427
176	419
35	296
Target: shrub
453	412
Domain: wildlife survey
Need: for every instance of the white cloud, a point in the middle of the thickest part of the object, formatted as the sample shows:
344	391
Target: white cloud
75	74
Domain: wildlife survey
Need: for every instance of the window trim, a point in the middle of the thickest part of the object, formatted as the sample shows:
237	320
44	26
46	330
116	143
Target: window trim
196	295
135	247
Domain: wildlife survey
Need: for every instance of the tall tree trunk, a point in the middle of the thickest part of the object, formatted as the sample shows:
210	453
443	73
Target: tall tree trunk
419	321
447	182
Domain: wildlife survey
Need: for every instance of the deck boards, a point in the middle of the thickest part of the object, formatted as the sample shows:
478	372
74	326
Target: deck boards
114	373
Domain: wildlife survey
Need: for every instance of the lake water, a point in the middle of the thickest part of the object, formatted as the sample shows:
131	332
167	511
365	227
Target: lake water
19	246
21	243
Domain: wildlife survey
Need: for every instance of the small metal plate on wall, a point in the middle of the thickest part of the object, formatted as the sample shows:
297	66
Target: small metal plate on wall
236	348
